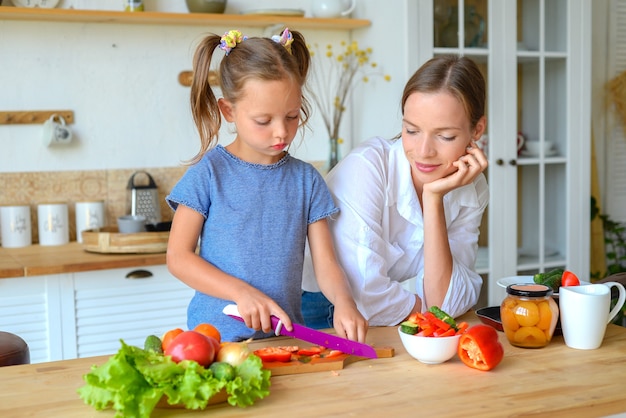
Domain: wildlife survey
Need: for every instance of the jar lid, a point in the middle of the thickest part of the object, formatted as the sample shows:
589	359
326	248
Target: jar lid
529	290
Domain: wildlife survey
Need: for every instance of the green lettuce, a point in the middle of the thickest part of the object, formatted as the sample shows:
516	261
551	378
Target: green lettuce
134	380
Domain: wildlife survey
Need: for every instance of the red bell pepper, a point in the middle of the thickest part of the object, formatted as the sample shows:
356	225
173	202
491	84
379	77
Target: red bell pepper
271	354
416	317
436	321
461	327
479	348
333	353
290	348
311	351
426	331
441	333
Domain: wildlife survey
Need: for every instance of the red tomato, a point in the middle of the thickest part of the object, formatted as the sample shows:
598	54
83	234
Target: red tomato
569	279
270	354
216	345
191	345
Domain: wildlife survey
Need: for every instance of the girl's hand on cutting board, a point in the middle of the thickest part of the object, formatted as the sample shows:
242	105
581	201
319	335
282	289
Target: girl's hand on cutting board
349	323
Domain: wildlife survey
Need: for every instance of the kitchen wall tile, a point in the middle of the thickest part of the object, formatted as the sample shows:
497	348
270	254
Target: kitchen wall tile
32	188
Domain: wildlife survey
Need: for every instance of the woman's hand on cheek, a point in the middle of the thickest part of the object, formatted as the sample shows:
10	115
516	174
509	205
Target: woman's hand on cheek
469	166
475	160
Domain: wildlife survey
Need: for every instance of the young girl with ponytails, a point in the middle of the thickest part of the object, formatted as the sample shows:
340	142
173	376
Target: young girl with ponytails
253	205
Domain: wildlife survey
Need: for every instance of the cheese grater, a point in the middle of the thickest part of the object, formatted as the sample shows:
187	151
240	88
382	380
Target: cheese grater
144	199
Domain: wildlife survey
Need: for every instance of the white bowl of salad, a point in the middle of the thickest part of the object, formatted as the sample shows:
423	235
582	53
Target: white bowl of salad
431	337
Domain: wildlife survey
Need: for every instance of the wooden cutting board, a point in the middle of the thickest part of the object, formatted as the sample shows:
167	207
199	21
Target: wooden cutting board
108	239
306	364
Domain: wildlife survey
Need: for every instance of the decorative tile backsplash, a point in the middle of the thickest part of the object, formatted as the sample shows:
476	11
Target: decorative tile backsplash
33	188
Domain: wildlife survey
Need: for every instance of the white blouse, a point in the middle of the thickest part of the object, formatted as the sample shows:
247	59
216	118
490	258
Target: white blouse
379	233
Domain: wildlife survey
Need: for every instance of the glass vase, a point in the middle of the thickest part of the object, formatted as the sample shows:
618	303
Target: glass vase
333	157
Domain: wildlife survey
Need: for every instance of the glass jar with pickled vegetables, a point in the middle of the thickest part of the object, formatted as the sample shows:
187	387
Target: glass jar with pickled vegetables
529	315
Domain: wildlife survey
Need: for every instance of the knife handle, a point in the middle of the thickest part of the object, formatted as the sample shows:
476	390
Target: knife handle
277	325
231	310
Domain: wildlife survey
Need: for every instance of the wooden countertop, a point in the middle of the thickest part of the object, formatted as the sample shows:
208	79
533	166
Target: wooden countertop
37	260
554	381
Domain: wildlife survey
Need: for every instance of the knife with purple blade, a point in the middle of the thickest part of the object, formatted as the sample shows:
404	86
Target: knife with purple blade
313	336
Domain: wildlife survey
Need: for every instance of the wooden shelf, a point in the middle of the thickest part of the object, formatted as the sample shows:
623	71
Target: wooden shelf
186	19
34	116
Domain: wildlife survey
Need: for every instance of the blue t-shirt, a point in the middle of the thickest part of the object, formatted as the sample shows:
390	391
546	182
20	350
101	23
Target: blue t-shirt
256	220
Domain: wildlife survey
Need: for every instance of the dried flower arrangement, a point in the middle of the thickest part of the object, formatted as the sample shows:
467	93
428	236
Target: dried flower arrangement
617	95
332	82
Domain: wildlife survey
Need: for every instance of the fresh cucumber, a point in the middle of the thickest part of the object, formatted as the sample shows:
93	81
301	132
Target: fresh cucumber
553	282
551	278
538	278
409	327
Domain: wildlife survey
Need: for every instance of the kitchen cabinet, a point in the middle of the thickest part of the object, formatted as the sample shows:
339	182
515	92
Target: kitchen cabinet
536	58
31	308
110	305
86	314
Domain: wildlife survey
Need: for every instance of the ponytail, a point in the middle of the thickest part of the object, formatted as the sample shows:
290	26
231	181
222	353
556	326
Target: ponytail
204	109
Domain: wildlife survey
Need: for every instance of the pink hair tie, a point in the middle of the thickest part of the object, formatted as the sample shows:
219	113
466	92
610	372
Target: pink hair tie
285	39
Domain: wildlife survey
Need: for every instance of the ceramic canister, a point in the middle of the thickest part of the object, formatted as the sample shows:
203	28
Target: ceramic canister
15	226
89	215
53	224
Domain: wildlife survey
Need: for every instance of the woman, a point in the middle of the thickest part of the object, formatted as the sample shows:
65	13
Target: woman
412	208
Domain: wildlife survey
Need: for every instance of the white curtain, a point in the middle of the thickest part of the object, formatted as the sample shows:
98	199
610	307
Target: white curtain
615	169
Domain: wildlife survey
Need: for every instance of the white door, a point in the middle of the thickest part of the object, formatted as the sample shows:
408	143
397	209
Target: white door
535	56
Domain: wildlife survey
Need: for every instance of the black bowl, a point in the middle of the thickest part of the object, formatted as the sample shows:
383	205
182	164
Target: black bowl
159	227
490	316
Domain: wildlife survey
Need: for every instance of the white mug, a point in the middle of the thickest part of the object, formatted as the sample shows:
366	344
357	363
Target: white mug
15	226
89	215
585	312
56	132
534	147
332	8
53	224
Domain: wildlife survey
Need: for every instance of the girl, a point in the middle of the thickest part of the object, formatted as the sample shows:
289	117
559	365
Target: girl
251	203
412	208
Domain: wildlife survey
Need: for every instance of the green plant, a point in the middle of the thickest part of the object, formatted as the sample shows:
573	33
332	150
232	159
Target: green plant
615	245
614	241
